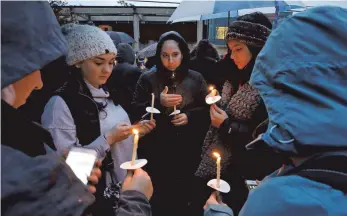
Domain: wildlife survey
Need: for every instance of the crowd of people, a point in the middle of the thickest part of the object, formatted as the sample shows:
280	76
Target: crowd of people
282	118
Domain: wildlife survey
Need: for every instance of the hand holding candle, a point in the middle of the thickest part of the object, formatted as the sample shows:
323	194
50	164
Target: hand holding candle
169	100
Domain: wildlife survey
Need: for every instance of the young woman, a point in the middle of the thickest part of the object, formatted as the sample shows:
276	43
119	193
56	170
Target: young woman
240	111
173	149
83	113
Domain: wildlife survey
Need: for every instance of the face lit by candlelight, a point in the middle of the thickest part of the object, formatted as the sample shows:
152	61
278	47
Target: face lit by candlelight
136	132
211	88
216	154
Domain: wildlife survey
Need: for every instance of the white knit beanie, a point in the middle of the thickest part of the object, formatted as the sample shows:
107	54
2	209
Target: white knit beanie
85	41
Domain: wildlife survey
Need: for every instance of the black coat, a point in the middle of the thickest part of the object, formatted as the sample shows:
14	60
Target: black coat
177	148
179	145
207	67
203	60
22	134
124	77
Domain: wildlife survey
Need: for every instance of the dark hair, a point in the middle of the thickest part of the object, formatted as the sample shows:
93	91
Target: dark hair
254	50
206	49
150	62
76	75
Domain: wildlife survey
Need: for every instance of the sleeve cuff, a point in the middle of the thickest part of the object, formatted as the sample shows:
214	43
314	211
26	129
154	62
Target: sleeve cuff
134	193
104	147
218	210
224	127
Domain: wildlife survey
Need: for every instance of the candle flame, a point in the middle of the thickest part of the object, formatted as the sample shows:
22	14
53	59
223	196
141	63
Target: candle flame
216	154
135	131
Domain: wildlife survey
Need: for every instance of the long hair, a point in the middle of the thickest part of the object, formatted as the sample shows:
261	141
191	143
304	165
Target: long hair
76	75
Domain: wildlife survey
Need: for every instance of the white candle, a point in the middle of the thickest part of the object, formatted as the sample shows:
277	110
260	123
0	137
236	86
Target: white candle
152	106
218	168
136	142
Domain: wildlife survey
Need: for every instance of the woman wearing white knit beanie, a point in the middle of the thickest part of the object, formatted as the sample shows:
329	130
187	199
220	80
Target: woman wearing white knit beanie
83	113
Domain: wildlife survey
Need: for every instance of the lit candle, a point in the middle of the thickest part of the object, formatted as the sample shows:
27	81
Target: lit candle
136	142
152	106
213	91
218	168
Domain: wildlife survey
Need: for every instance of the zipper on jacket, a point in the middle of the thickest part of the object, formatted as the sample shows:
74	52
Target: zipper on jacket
91	100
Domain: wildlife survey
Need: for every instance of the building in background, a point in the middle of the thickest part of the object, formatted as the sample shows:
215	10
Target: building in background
144	24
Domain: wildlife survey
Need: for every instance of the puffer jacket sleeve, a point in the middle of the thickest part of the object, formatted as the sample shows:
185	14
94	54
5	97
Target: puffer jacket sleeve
133	203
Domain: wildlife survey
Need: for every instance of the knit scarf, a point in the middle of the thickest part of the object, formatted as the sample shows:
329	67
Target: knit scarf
238	105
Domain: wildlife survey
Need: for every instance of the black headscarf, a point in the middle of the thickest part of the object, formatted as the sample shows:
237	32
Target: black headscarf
182	70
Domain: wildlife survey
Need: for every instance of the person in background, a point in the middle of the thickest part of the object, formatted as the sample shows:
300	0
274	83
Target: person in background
176	141
124	76
150	63
84	113
204	62
303	85
238	114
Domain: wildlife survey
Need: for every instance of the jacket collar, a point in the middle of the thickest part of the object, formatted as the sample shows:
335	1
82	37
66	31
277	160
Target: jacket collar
22	134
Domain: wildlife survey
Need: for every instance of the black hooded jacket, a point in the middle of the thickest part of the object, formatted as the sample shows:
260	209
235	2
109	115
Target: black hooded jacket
172	140
204	62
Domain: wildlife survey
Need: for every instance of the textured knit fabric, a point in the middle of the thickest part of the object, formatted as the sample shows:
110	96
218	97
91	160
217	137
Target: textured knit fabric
241	106
253	34
86	41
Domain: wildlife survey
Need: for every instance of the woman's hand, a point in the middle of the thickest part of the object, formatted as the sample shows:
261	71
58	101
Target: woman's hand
169	100
145	126
212	200
180	119
118	133
140	181
94	176
217	116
